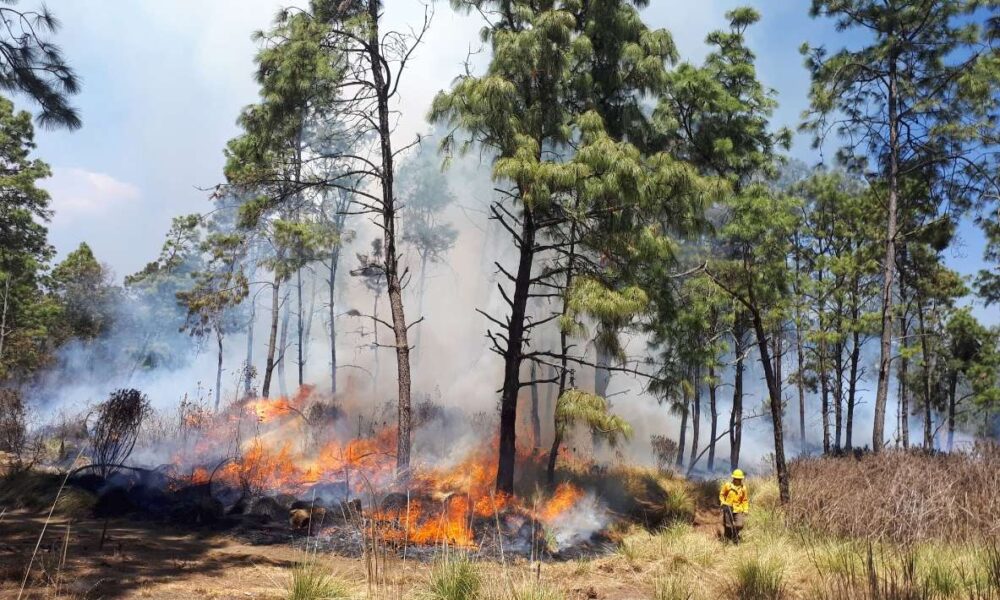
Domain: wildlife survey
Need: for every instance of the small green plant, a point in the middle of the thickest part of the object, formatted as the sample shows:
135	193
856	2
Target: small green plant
758	580
453	578
991	566
311	582
943	581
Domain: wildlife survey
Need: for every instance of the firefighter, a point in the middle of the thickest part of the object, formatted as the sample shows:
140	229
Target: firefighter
735	502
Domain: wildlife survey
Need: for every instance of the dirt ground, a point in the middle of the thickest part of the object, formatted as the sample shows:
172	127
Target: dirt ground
146	560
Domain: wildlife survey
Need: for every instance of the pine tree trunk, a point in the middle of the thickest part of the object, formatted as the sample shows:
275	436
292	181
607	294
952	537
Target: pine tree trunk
602	375
300	329
286	317
420	308
824	398
774	392
218	369
800	385
904	362
885	346
332	300
682	436
853	389
824	381
714	409
952	407
536	420
557	427
736	415
382	92
247	381
550	471
838	390
513	355
904	392
926	369
695	414
272	341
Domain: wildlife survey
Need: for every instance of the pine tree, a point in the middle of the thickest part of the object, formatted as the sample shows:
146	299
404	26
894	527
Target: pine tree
26	312
530	104
917	98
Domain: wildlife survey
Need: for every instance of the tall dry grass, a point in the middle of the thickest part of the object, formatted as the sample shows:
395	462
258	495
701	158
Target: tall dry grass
899	496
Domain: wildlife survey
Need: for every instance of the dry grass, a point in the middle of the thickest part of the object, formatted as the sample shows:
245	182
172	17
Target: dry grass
682	559
907	496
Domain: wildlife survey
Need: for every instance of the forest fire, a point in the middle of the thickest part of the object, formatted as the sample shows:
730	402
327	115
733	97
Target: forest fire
293	448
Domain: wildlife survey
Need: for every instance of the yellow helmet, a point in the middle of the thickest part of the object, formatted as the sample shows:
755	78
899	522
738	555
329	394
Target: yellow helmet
737	474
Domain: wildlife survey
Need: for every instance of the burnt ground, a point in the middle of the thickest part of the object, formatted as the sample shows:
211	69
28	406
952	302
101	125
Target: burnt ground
141	559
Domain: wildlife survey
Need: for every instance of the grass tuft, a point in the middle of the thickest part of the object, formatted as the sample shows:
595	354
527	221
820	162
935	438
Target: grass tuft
453	578
311	582
758	580
671	588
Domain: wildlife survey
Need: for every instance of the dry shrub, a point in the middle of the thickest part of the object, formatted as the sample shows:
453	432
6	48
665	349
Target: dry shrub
900	496
117	429
664	449
13	422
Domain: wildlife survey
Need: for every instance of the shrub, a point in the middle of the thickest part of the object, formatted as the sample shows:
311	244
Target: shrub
758	580
117	429
453	579
664	449
908	496
13	426
310	582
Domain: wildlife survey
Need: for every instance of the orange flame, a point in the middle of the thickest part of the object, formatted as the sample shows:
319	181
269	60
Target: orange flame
444	503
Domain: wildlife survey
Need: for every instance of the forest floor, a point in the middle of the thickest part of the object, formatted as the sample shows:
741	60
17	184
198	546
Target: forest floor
683	561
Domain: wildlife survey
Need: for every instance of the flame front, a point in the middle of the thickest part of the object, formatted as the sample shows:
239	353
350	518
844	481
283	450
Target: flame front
442	505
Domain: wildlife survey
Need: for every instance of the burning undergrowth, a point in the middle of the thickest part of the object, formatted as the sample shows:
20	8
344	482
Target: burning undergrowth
282	469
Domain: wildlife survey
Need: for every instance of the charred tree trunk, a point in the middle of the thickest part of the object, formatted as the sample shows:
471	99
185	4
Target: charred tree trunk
714	409
272	341
513	355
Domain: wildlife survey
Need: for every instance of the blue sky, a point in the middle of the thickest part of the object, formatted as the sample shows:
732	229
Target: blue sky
163	82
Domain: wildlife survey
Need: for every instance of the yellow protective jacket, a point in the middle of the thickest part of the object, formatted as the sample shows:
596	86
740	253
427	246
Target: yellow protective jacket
735	496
